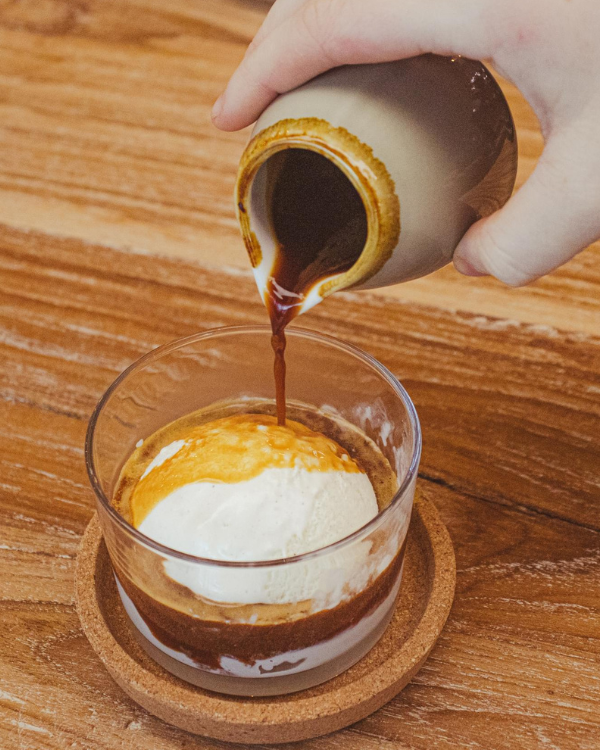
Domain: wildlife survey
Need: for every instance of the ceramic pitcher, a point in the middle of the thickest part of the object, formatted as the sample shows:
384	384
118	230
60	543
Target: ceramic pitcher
428	143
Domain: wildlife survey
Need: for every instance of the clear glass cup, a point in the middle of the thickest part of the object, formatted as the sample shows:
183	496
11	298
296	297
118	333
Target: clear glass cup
331	605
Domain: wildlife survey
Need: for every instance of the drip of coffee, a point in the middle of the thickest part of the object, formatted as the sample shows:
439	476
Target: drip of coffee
320	228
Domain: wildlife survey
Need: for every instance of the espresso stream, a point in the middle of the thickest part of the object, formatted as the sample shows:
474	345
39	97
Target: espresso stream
320	227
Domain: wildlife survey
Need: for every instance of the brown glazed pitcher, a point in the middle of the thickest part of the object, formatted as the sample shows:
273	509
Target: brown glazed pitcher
428	143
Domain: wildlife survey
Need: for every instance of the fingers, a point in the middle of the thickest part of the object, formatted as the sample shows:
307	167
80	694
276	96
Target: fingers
279	11
548	221
282	58
306	38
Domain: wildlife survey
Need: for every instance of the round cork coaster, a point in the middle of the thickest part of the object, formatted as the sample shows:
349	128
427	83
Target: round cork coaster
423	606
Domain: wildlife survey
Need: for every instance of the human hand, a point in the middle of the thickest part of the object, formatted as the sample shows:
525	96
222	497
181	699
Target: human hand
548	48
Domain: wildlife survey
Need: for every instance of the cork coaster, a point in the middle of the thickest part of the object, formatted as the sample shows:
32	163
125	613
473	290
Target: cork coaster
423	606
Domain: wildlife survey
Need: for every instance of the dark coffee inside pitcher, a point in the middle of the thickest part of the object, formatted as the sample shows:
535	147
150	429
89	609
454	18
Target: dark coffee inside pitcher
320	228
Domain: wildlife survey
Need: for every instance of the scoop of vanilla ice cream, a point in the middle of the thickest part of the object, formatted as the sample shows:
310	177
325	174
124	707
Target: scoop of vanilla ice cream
245	489
280	513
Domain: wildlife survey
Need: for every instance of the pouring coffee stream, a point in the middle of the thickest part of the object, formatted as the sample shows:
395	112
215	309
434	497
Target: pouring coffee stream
320	227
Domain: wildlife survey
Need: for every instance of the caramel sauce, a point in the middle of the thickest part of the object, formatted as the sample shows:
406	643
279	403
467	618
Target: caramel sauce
320	227
235	449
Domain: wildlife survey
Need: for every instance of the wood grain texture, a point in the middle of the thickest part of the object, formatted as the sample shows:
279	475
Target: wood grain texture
510	415
105	136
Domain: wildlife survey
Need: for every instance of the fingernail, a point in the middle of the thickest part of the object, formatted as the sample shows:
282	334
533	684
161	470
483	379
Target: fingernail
466	268
217	108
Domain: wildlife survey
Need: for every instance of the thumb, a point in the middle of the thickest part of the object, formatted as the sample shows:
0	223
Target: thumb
548	221
303	38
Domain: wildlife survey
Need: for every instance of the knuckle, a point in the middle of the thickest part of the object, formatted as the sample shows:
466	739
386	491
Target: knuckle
569	179
321	21
503	259
252	78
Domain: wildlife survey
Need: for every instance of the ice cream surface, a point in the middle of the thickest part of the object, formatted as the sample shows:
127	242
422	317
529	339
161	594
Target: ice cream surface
243	488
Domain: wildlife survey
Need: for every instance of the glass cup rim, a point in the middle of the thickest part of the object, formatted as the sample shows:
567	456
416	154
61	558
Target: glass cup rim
294	332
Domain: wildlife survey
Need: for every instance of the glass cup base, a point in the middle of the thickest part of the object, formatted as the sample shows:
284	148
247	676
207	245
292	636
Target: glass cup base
357	644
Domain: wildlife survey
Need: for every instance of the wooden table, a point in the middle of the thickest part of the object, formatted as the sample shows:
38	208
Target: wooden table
108	159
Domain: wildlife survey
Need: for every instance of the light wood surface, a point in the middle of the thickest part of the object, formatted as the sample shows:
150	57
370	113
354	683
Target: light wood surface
510	416
107	159
105	135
